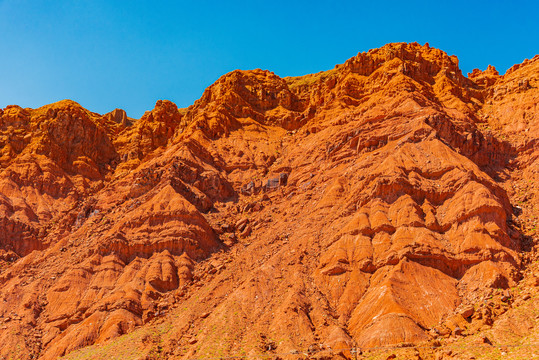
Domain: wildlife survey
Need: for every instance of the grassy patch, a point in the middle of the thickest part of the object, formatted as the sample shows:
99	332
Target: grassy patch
306	80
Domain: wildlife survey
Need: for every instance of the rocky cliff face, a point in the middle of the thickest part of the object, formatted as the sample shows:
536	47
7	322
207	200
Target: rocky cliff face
373	204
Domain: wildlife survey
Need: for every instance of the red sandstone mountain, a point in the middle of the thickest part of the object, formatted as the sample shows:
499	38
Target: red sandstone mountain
379	203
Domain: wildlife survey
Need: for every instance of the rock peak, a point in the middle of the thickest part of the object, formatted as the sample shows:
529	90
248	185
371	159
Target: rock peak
388	200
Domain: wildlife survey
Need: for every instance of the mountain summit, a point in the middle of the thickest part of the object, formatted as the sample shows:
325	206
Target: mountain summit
389	201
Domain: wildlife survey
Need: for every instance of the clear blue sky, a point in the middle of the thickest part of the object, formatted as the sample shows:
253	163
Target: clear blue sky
128	54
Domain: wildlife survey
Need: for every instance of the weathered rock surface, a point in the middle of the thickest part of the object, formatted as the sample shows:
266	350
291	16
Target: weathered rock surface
369	205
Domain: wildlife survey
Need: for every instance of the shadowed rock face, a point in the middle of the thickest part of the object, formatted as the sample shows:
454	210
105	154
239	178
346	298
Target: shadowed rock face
390	205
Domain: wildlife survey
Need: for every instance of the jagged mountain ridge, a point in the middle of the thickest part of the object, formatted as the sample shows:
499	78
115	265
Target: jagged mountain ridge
360	206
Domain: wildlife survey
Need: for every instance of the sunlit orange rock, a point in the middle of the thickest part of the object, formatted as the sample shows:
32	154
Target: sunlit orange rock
358	207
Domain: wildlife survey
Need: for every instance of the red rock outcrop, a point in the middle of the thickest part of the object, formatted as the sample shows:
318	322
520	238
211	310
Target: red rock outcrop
363	206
